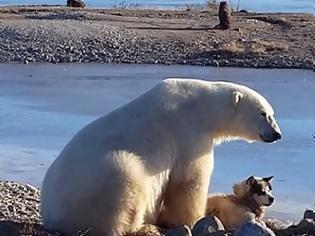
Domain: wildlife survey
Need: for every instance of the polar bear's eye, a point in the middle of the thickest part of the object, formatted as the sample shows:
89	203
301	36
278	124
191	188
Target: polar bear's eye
263	114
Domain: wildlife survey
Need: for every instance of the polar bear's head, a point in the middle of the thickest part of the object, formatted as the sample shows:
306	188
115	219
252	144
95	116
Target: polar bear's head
252	117
227	110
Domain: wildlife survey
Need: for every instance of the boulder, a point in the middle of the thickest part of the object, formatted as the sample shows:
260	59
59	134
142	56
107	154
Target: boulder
309	214
208	226
252	228
305	227
76	3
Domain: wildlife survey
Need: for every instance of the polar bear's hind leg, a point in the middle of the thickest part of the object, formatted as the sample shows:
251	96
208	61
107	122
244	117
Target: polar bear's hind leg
129	215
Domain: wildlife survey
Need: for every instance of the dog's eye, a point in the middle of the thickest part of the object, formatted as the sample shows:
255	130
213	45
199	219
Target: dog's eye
263	114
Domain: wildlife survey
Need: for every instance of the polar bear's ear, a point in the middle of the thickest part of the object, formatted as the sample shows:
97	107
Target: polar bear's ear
237	96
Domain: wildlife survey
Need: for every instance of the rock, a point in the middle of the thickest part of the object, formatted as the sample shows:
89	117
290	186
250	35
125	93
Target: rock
276	224
243	11
183	230
305	227
309	214
224	16
253	228
207	226
76	3
216	63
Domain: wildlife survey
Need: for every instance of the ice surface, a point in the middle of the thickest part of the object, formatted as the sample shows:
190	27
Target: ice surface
43	106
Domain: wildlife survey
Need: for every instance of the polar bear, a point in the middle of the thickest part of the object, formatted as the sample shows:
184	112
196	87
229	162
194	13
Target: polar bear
150	161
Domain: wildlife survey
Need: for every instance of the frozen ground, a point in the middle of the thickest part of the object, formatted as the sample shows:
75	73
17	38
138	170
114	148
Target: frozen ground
43	106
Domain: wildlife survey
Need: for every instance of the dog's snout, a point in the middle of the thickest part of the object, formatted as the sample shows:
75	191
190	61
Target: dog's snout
271	200
277	135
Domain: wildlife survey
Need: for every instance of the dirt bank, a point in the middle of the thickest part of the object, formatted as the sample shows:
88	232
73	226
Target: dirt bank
60	34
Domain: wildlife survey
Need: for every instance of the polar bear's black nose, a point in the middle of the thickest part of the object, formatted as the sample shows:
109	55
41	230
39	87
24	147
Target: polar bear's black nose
277	135
271	200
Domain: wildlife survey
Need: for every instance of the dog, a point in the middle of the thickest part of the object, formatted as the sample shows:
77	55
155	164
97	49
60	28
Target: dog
249	200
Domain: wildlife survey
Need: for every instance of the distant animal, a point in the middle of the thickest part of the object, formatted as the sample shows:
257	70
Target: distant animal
135	165
224	16
76	3
249	201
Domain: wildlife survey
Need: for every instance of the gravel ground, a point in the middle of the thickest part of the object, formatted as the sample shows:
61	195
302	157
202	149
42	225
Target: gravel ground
19	210
60	35
19	202
19	215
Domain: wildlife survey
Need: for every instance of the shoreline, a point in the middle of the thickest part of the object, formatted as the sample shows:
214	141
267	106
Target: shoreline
20	215
46	34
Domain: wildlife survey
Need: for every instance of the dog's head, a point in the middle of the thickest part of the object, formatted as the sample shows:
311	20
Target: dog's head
261	190
257	188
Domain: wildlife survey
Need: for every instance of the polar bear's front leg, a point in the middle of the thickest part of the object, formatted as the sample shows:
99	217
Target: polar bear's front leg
186	194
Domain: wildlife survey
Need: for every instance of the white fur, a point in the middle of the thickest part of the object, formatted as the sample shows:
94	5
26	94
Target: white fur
264	200
150	160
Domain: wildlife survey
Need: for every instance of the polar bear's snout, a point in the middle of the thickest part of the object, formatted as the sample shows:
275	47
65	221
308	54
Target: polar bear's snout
272	137
271	132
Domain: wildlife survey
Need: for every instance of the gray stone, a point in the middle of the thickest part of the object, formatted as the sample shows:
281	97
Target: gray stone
277	224
75	3
309	214
253	228
207	226
183	230
305	227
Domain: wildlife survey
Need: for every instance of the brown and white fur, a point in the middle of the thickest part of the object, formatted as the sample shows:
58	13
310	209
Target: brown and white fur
249	201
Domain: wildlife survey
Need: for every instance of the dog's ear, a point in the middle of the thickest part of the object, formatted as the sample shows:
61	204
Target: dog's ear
268	179
250	180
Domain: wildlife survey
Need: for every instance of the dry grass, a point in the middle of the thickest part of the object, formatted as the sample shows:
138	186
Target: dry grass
256	46
232	47
261	46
